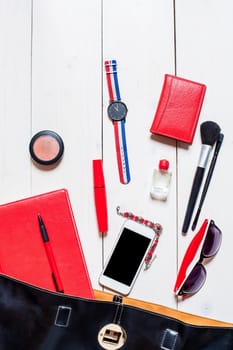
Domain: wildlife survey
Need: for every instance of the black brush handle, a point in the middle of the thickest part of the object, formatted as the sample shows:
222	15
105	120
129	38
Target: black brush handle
193	197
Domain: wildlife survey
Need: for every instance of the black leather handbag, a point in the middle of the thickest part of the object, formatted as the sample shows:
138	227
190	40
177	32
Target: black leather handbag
35	319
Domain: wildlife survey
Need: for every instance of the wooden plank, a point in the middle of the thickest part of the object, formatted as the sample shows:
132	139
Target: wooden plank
140	37
66	98
205	54
15	118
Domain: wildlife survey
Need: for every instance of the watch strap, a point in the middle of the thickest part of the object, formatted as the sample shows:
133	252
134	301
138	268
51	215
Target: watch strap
121	151
119	126
112	80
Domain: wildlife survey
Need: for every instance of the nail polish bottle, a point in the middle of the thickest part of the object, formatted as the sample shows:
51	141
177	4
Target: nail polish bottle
161	181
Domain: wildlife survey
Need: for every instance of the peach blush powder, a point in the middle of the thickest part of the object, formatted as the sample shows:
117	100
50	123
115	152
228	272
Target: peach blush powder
46	147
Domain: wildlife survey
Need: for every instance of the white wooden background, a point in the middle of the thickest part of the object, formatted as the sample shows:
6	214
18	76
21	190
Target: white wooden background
52	77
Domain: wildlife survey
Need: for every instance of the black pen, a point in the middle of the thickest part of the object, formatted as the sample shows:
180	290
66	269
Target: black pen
55	273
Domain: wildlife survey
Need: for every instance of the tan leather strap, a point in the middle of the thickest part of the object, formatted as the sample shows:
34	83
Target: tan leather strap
167	311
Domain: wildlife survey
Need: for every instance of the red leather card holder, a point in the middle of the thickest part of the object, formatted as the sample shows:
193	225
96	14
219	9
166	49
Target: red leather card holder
178	109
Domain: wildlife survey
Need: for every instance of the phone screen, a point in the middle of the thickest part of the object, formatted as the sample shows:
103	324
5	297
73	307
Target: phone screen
127	256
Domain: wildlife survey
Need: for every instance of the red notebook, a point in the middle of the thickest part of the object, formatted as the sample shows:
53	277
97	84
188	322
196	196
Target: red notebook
178	108
22	251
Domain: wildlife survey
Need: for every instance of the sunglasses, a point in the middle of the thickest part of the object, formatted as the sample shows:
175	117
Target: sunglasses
196	278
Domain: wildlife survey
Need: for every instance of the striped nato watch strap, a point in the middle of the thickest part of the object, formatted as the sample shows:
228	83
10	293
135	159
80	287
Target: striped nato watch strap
119	125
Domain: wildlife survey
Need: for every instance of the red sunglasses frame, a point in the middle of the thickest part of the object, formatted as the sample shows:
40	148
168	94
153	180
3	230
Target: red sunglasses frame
189	256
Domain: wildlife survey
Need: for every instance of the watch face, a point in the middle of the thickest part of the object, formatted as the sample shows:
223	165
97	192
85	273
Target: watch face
117	110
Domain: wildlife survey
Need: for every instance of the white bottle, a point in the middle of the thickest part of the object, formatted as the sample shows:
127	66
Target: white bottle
161	181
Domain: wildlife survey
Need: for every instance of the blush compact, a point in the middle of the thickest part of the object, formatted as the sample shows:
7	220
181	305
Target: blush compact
46	147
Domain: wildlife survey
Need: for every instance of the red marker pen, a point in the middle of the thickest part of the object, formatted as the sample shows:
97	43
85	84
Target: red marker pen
55	273
100	196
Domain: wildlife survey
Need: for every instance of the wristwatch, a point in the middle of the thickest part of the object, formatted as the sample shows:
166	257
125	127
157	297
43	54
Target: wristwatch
117	111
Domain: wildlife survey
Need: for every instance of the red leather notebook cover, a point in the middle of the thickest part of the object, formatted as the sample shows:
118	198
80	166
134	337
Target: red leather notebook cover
22	251
178	109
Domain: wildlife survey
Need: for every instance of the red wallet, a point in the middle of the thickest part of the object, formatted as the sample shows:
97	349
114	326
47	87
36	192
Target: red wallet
178	108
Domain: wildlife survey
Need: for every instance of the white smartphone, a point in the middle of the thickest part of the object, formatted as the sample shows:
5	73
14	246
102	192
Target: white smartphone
127	257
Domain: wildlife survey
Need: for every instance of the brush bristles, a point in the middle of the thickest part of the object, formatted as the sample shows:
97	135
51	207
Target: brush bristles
209	132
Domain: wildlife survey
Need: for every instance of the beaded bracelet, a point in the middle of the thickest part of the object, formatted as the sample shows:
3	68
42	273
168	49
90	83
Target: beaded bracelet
157	228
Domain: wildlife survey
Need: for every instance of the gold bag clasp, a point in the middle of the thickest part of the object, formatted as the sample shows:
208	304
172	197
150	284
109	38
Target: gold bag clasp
112	337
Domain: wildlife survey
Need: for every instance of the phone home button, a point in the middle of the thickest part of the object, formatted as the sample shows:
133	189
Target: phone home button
112	337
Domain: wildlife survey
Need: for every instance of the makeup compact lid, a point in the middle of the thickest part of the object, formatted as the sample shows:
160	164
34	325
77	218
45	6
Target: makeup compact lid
46	147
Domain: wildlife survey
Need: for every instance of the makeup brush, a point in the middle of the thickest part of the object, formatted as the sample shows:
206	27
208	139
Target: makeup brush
208	178
209	134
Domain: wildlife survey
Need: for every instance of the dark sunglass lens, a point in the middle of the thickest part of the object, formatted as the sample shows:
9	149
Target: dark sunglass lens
194	281
212	241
